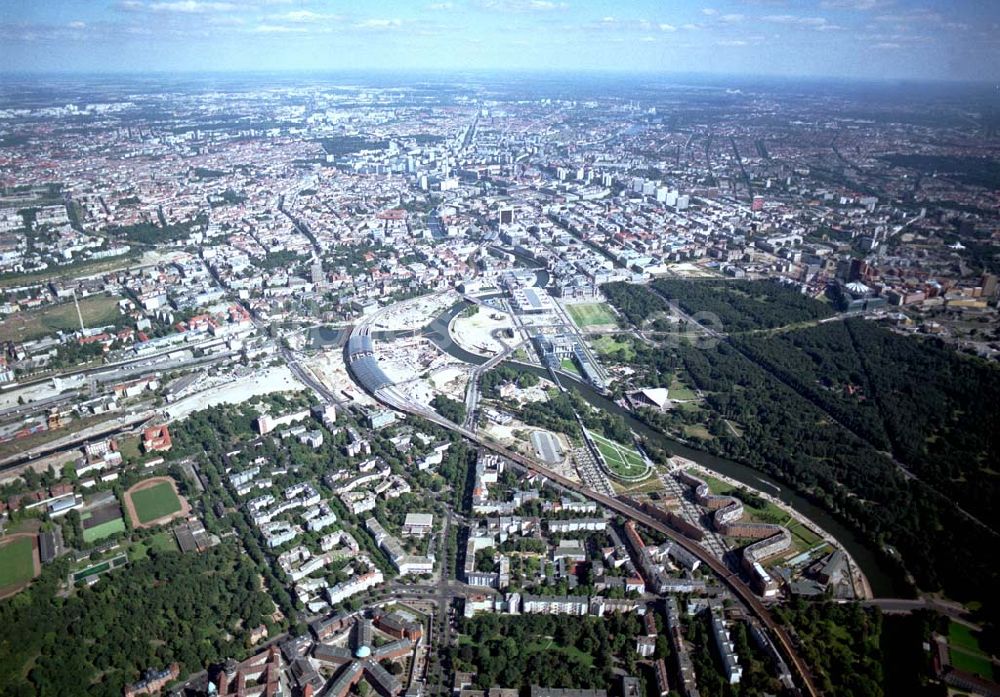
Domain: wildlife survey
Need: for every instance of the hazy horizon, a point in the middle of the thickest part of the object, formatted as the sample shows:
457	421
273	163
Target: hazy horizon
925	40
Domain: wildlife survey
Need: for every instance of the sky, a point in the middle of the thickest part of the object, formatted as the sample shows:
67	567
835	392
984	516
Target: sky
863	39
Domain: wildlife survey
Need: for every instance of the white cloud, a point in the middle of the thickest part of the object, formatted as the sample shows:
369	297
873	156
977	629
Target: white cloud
667	27
77	25
853	4
305	16
731	42
379	24
522	5
734	18
439	6
278	29
192	6
709	11
795	20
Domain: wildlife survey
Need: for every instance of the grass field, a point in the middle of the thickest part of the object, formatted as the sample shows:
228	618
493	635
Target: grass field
678	390
155	502
97	311
697	431
548	646
99	532
17	565
569	366
963	637
802	537
163	541
129	448
591	314
623	461
607	345
976	664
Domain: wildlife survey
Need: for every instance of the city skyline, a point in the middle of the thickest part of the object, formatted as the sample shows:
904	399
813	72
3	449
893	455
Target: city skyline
864	39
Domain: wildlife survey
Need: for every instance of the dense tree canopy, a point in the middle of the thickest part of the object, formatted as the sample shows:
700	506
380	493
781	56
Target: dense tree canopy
195	609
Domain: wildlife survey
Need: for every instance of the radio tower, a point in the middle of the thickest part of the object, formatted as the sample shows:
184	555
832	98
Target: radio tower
83	329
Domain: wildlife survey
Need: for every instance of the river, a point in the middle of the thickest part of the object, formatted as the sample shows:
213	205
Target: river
883	584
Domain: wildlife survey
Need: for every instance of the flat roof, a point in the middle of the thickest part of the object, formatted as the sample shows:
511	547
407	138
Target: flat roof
418	519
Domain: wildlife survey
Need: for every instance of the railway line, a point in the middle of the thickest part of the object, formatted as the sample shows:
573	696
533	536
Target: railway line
394	399
362	367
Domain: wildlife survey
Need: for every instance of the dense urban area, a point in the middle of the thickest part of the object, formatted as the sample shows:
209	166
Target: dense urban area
493	388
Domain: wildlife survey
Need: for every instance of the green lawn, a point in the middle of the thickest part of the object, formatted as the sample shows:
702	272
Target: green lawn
97	311
16	562
590	314
963	637
678	390
129	448
155	502
611	345
569	366
103	530
802	537
623	461
163	541
547	646
697	431
976	664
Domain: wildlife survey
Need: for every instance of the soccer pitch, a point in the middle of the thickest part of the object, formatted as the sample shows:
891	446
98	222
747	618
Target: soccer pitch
155	502
16	562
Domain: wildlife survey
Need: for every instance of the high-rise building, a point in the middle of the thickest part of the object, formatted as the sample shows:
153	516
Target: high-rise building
757	204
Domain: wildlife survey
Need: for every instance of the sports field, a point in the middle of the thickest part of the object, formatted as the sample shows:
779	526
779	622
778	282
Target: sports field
17	565
154	502
623	462
102	520
102	530
590	314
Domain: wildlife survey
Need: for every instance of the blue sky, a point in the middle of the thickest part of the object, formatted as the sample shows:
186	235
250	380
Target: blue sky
933	39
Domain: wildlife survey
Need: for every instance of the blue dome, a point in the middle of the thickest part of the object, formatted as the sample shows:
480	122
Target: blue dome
363	652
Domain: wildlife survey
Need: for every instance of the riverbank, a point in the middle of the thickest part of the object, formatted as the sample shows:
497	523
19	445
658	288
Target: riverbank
859	581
